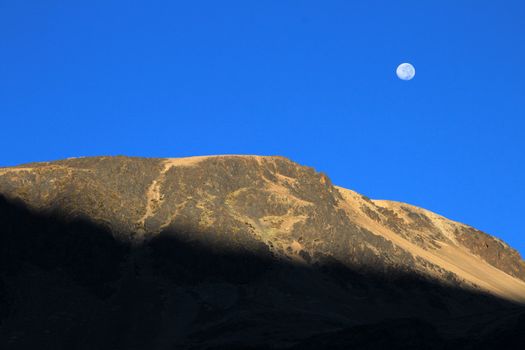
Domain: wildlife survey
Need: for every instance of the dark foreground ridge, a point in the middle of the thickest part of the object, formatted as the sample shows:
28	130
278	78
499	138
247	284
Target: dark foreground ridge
73	282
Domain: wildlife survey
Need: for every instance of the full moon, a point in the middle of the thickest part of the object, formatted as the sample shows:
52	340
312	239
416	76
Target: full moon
405	71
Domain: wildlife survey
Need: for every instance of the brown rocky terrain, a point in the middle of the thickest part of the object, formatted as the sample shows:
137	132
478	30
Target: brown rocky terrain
237	251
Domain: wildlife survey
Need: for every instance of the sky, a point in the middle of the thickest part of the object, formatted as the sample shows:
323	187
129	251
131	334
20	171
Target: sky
313	81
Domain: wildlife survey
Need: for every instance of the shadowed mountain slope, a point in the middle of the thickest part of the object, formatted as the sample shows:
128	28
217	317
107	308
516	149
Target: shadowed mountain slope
225	251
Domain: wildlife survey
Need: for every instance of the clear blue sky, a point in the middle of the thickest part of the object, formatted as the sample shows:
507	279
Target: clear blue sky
310	80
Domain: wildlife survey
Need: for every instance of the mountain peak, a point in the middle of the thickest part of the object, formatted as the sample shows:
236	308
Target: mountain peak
246	225
293	211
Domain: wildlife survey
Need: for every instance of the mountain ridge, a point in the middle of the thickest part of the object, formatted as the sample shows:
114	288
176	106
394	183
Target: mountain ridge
386	216
224	241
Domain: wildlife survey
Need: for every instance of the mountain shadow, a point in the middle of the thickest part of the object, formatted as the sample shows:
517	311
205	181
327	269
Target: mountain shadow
69	283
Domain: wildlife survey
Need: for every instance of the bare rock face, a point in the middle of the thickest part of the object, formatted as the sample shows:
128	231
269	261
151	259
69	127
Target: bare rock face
492	250
206	252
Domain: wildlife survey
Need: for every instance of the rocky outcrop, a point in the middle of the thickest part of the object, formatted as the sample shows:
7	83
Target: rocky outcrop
492	250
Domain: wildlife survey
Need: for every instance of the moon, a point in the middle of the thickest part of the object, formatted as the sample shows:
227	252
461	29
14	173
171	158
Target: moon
405	71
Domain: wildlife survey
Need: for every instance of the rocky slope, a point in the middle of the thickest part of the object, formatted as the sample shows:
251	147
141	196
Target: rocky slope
203	252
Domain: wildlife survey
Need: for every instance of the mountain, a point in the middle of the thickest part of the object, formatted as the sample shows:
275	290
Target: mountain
227	252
